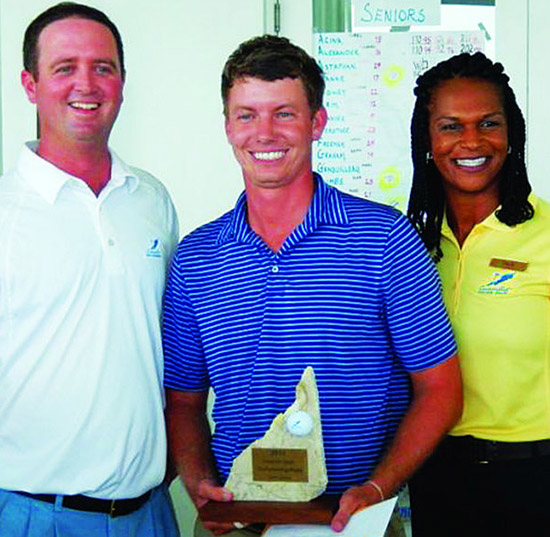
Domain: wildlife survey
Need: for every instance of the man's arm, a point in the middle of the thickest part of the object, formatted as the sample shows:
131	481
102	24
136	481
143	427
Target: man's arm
435	408
189	445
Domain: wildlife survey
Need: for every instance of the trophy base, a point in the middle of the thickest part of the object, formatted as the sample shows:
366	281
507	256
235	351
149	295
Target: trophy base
317	511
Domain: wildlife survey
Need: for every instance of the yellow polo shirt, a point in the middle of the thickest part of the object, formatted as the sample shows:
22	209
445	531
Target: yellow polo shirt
497	292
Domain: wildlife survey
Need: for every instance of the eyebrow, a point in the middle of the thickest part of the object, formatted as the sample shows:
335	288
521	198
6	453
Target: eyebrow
503	114
110	62
252	107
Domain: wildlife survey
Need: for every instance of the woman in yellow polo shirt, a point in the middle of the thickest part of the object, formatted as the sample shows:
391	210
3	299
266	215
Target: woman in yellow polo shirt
471	202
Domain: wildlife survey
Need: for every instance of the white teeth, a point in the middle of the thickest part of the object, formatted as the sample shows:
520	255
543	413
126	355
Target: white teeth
271	155
85	106
471	162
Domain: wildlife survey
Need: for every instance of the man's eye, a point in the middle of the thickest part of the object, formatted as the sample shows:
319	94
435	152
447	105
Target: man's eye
104	69
64	69
284	114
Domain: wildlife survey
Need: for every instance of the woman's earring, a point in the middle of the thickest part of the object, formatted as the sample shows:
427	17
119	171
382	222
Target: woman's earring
429	156
509	149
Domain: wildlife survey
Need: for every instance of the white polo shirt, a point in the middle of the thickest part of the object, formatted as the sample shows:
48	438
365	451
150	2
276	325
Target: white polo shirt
81	287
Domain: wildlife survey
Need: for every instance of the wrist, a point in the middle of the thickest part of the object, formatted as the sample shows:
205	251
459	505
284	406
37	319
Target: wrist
377	488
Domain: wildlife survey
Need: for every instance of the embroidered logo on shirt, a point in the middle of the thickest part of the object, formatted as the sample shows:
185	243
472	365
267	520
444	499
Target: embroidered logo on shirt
499	284
155	249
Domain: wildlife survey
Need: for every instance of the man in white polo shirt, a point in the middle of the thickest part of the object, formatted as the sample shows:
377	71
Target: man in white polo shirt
85	244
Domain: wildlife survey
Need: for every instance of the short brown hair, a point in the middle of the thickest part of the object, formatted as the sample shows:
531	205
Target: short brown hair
270	58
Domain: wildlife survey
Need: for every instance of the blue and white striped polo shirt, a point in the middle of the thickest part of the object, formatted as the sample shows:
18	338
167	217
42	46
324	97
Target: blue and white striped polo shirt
351	292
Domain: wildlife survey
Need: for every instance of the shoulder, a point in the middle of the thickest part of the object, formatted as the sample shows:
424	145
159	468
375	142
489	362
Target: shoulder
205	238
361	209
149	198
150	182
10	183
146	182
13	190
539	225
155	196
375	218
541	207
384	226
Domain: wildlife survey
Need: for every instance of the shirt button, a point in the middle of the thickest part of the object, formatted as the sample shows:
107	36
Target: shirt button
274	269
111	242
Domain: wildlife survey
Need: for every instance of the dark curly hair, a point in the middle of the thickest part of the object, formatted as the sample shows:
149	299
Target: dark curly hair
270	58
427	200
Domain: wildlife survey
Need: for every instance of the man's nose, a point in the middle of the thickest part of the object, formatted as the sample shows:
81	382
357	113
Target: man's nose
265	127
84	79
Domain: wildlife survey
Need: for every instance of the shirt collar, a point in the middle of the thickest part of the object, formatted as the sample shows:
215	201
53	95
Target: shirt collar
491	221
48	180
327	208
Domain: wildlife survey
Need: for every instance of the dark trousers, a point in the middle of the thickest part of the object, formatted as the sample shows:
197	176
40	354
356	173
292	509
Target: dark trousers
453	495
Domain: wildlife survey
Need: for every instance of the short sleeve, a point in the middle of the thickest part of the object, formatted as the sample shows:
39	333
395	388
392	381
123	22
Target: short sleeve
184	365
419	326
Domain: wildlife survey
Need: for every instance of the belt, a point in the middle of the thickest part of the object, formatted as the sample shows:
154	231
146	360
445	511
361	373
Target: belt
113	508
471	449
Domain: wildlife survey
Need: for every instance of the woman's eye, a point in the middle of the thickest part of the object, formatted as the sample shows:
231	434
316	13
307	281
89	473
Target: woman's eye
450	127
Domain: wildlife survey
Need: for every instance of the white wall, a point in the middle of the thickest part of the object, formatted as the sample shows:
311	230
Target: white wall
522	46
512	44
538	106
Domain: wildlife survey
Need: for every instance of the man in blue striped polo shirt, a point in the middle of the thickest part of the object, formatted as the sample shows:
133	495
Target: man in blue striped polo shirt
301	274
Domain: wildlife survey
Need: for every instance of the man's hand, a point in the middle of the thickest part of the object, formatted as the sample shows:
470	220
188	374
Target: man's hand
206	491
353	500
435	408
189	440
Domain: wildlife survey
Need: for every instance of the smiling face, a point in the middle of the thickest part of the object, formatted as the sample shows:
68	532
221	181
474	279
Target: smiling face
78	91
271	127
468	135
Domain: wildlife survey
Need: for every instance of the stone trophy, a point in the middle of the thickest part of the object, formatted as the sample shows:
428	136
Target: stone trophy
280	478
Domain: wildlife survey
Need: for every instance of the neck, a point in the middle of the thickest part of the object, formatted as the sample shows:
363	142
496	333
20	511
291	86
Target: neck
273	214
88	162
464	212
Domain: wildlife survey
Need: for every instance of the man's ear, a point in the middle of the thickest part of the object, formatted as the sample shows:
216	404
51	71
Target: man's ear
227	126
319	122
29	85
